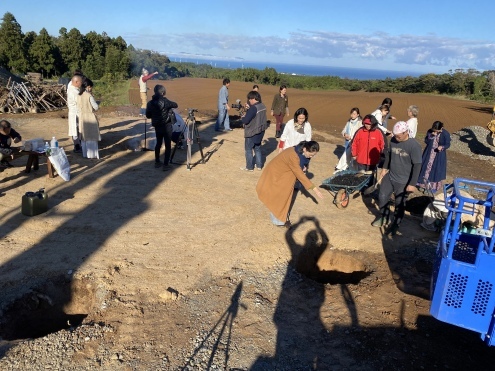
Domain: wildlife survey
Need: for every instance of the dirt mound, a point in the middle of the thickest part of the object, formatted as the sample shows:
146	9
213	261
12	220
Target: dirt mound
5	75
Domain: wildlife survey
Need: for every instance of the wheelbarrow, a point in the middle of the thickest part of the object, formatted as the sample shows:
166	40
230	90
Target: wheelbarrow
344	183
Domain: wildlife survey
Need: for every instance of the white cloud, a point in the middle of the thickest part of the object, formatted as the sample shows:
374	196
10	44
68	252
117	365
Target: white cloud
410	50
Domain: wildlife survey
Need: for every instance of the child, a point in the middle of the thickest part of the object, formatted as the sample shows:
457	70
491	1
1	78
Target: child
381	113
387	101
412	113
179	131
348	132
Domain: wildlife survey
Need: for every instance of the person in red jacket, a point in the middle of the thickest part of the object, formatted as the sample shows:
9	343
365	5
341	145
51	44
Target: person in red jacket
367	145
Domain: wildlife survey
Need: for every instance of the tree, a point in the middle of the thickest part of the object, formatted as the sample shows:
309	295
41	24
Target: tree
42	53
71	47
12	52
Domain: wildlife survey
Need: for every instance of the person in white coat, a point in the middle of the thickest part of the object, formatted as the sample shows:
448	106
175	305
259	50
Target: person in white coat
296	130
350	128
72	94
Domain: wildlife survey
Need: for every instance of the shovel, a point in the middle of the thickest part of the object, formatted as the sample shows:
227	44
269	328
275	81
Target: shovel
371	189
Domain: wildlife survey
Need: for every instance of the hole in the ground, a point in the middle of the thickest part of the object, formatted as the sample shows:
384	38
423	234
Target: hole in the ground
57	304
332	266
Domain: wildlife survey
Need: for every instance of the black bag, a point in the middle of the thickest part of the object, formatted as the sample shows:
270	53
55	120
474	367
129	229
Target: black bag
171	119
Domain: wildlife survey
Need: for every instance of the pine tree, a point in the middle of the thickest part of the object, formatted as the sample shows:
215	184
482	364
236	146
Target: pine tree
42	53
12	52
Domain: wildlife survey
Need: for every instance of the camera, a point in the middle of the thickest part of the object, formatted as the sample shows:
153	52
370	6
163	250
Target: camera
238	105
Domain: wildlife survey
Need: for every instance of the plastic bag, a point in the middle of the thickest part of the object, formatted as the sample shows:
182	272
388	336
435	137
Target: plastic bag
61	164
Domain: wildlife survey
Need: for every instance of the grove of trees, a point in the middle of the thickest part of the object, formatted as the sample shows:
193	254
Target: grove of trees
101	57
97	55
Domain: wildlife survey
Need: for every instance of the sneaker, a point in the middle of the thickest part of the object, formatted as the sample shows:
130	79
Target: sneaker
378	222
229	130
259	168
246	169
166	167
158	164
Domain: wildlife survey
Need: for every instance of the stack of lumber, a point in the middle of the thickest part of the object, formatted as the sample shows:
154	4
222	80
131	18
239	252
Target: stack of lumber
20	97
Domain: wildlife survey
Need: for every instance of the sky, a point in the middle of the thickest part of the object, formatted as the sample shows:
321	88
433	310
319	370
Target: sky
419	36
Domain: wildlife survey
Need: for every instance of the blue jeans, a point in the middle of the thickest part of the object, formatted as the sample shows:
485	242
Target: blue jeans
223	122
250	144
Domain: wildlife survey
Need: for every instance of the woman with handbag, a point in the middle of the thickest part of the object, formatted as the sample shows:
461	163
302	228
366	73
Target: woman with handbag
160	110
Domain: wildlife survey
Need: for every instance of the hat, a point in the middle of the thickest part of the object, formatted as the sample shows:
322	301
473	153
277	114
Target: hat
367	121
400	127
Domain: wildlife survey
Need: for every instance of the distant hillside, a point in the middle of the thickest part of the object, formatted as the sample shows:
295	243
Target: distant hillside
5	75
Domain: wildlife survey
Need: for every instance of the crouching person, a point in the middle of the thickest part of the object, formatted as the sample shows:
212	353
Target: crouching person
7	136
400	175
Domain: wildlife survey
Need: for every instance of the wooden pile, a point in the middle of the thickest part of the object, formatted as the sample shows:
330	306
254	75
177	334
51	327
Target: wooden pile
20	97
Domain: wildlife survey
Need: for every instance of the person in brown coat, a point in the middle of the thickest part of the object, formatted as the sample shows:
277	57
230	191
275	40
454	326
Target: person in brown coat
275	187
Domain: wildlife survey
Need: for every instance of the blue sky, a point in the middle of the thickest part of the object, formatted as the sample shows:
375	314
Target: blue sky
420	36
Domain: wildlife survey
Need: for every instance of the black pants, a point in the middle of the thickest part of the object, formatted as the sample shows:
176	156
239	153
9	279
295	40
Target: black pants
387	187
163	135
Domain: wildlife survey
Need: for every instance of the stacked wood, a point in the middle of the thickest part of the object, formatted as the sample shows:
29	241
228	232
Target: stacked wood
20	97
34	77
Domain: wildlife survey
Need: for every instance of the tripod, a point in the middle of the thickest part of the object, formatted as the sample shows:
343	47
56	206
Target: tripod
145	148
191	131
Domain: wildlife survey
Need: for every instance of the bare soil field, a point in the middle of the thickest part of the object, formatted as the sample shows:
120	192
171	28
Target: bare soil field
133	268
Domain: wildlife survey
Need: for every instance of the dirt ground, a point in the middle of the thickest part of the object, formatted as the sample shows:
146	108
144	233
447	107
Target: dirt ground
133	268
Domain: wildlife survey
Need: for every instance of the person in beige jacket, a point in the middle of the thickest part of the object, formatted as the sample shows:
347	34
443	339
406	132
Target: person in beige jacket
89	127
275	187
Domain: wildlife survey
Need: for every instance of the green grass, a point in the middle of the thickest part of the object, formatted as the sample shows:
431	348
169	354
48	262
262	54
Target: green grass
112	93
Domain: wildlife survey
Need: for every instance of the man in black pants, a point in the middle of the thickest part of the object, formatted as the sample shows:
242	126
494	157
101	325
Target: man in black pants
401	168
157	110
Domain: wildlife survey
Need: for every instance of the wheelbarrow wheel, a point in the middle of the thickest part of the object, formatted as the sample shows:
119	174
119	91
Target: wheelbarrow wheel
341	199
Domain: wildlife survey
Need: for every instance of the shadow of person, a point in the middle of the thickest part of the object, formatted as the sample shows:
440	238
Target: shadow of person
301	334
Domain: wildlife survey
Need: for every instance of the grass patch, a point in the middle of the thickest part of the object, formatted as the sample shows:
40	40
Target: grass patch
113	93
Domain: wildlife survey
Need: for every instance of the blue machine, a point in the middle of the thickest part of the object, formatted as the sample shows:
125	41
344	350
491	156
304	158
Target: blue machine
463	282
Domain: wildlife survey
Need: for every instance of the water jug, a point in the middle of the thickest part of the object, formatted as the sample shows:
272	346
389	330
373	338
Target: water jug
34	203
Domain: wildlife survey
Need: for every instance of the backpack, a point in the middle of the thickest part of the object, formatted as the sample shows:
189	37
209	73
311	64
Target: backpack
171	119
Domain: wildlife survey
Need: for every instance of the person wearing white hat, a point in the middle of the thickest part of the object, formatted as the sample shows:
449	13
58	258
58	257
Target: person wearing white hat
143	89
399	176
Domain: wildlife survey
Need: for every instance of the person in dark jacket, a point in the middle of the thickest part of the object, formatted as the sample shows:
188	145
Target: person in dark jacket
254	129
7	136
434	164
157	110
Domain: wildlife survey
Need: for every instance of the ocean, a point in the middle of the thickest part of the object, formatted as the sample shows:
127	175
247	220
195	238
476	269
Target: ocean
307	70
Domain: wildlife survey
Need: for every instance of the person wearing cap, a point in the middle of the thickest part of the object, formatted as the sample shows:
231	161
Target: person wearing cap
367	144
143	89
399	176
